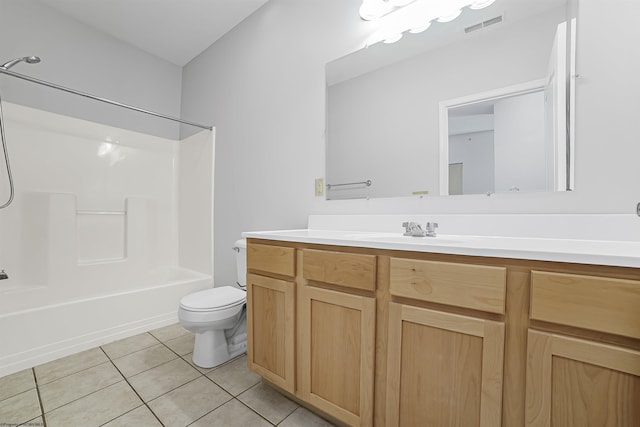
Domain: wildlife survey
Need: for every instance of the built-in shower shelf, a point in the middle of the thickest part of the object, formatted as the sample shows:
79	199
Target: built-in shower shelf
100	261
101	236
101	213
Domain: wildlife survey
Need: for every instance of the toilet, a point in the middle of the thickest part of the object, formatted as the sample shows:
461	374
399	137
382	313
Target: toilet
217	317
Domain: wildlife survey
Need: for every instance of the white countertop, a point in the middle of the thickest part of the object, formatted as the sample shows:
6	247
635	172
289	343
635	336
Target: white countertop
600	252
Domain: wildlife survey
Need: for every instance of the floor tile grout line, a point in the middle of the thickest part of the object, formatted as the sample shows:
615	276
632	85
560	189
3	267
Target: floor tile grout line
221	405
174	352
147	348
130	353
135	391
208	412
112	360
186	333
147	369
72	373
175	388
235	396
19	393
255	385
35	380
289	414
80	397
122	415
259	414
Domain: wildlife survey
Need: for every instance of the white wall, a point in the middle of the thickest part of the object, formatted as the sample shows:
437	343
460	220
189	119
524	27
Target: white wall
519	142
476	153
263	86
78	57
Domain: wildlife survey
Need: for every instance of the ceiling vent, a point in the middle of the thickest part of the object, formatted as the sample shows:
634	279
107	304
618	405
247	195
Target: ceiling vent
484	24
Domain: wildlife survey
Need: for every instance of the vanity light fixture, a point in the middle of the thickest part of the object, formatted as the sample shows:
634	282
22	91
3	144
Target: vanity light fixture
420	28
481	4
451	17
415	16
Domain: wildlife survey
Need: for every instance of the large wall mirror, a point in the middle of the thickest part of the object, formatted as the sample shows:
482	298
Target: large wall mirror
479	105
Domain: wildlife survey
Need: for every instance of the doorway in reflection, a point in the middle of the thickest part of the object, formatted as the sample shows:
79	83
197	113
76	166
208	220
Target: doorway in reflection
500	145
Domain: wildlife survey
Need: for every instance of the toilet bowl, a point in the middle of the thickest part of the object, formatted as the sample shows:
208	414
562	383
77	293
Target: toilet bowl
217	317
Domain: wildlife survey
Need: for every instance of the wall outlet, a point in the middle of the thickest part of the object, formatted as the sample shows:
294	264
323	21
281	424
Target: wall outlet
319	187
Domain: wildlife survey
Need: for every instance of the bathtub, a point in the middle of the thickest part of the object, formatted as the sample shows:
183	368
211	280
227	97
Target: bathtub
38	335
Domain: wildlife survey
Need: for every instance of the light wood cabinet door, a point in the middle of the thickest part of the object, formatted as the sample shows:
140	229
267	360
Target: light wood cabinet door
443	369
271	329
337	334
575	382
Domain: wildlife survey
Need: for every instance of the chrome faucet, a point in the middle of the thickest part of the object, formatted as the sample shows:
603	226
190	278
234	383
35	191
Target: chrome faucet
413	229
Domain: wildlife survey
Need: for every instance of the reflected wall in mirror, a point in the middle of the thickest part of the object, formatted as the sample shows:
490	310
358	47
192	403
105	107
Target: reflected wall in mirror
385	103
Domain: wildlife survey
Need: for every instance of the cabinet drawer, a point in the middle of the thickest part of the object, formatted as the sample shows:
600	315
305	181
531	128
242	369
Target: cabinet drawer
271	259
471	286
340	268
597	303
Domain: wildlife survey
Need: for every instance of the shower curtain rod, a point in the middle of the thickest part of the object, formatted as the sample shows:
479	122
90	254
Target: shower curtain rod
98	98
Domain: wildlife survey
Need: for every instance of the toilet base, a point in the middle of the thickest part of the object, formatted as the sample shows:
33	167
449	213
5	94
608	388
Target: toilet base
210	349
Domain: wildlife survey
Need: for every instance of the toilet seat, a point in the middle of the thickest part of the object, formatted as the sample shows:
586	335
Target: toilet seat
213	299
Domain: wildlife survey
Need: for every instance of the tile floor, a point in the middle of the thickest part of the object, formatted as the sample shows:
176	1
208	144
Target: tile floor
145	380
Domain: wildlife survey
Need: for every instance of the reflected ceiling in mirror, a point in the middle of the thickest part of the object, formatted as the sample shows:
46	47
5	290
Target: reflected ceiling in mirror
384	101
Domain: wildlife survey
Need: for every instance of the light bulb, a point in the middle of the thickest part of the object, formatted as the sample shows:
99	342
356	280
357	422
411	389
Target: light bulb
393	38
480	4
419	28
451	17
374	9
400	3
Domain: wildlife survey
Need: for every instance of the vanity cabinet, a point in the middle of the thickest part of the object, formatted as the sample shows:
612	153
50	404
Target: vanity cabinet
271	314
390	338
458	359
579	380
336	330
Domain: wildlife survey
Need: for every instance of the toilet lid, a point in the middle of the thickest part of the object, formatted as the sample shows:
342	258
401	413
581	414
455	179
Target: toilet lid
214	298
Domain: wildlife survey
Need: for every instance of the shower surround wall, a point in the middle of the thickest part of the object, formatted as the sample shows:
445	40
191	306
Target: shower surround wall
91	242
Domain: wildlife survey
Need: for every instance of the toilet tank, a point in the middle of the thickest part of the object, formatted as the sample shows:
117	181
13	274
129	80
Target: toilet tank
241	262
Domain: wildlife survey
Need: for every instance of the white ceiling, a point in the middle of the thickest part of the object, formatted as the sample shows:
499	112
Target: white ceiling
175	30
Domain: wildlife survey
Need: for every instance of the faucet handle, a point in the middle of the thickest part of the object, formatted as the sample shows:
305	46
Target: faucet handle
412	229
431	228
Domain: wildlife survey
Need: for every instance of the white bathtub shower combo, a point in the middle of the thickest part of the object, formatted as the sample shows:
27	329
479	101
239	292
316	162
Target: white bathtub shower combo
107	230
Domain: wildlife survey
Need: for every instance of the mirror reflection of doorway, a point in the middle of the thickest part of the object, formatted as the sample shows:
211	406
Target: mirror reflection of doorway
455	178
528	147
